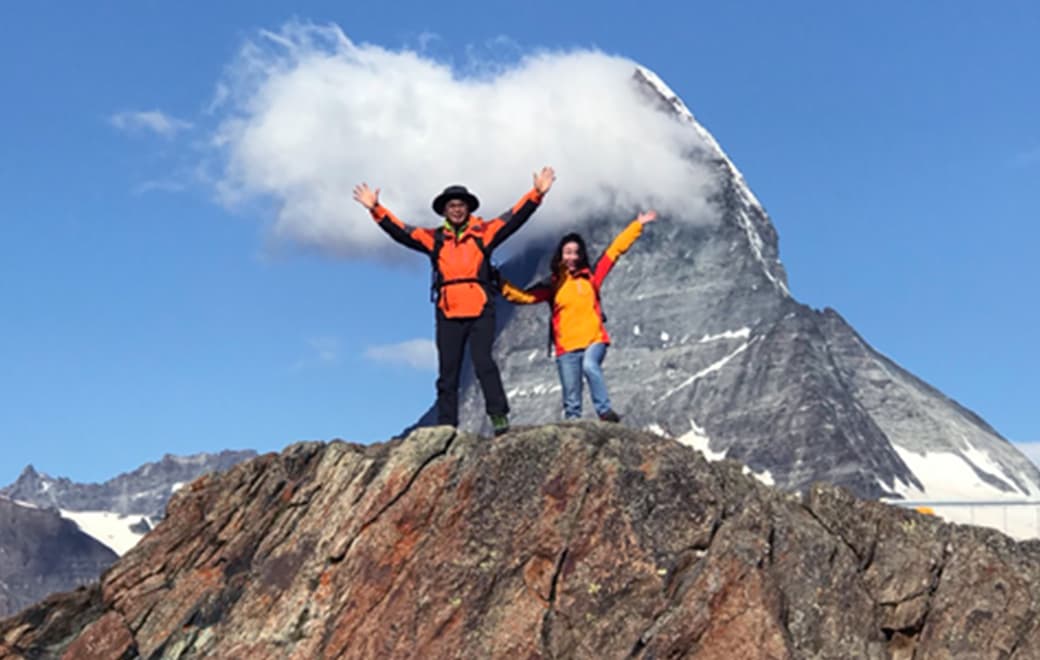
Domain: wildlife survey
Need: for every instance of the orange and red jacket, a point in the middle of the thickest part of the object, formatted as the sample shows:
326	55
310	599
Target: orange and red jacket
577	319
462	268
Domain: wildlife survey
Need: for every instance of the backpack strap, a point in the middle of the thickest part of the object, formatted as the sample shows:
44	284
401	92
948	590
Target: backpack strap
435	273
551	283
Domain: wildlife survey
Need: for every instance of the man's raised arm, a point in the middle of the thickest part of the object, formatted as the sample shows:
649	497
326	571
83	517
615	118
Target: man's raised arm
407	235
502	227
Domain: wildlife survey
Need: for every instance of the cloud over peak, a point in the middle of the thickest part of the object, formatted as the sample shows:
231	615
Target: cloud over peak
305	113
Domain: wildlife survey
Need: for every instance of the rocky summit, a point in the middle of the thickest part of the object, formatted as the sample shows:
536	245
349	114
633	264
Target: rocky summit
581	540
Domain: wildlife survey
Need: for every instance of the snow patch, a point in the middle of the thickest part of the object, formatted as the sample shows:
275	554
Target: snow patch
664	336
534	354
698	438
985	462
107	527
537	390
755	240
656	429
883	486
636	330
743	333
703	372
949	476
766	477
176	486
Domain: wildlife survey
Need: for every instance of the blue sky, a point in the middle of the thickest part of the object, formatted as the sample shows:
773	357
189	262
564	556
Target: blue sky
895	146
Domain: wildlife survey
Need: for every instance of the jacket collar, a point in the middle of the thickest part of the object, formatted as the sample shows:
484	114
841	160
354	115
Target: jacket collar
472	226
584	272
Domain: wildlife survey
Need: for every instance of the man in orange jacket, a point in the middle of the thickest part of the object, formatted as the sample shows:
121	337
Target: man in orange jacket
460	252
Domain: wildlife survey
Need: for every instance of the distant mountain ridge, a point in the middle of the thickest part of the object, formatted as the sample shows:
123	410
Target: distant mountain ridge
141	492
56	534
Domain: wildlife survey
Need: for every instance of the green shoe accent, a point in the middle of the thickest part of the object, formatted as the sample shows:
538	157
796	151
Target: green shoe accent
500	423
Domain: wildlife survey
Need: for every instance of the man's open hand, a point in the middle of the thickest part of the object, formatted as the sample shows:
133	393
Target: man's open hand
543	180
366	196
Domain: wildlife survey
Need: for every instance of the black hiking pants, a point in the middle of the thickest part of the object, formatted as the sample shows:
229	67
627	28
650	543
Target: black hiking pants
451	342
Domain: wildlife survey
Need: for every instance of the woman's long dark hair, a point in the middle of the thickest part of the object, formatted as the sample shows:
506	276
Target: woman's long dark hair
557	258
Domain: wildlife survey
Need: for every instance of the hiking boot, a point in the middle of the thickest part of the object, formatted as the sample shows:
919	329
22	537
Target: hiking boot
610	416
500	423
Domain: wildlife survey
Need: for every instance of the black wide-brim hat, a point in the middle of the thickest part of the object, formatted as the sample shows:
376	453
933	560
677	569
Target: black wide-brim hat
455	192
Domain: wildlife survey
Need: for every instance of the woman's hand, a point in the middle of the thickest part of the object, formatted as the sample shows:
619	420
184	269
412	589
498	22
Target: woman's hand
647	216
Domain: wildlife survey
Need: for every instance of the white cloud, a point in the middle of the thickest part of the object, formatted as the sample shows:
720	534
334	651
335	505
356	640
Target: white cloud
414	353
305	114
155	121
1030	449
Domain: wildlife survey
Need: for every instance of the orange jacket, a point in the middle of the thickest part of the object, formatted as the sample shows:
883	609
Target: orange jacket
462	268
577	319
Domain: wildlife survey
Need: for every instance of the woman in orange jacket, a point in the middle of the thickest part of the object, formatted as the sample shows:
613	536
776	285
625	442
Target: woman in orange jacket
578	333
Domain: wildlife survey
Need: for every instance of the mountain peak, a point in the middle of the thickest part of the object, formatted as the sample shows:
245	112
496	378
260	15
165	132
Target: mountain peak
30	474
570	540
750	214
707	342
32	486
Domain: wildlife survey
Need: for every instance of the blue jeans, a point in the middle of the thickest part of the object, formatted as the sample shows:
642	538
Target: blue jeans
572	366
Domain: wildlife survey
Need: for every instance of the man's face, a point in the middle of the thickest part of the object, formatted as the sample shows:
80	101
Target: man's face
456	211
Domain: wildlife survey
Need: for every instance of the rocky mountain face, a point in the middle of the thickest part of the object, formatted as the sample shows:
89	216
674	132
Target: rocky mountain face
710	346
581	540
41	553
142	492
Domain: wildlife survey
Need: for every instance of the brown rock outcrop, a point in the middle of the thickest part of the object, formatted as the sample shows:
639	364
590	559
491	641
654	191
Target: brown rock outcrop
569	541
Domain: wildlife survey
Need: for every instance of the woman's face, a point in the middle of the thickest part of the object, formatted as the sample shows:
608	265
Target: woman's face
570	256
